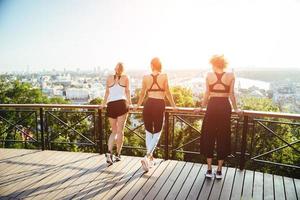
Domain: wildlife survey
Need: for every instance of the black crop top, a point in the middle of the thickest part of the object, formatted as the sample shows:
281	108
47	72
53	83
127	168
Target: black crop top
219	81
159	89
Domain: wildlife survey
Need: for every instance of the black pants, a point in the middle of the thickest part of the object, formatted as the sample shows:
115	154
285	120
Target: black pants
216	128
153	114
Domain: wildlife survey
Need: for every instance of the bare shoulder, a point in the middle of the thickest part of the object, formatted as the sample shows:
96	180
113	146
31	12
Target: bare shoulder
209	75
124	76
164	75
110	77
230	74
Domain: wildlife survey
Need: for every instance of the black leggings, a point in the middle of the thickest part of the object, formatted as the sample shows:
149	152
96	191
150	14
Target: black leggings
216	128
153	114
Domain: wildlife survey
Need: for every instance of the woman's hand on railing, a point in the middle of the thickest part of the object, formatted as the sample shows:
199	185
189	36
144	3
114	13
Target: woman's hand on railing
239	112
135	107
198	110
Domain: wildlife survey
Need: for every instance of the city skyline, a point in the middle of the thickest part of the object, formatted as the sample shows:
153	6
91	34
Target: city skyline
184	34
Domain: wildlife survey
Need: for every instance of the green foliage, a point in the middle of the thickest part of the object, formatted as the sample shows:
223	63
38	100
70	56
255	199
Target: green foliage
258	104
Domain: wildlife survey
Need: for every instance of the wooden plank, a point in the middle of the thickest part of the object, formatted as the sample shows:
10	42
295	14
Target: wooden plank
117	178
53	181
290	190
68	175
206	188
188	183
9	164
160	192
85	180
8	160
183	176
130	189
248	185
297	186
21	184
278	187
153	175
124	181
23	170
258	185
217	187
67	190
238	184
196	188
156	182
268	187
228	183
9	154
100	181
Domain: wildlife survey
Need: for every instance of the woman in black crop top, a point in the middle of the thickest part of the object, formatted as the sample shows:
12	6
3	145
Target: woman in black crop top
219	99
157	87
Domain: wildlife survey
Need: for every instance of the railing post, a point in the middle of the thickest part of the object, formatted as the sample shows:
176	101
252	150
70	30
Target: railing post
100	131
167	135
244	142
42	128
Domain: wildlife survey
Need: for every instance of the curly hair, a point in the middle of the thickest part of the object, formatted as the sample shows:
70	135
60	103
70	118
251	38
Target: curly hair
218	61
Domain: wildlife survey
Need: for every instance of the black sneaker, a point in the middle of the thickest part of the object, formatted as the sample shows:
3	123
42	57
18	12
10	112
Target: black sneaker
208	174
109	158
219	175
118	158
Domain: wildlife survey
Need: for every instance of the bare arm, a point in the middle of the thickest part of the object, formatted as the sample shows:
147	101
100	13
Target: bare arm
127	91
232	95
206	94
143	93
168	93
106	94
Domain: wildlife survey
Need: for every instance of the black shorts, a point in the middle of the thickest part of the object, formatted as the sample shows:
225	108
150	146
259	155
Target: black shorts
116	108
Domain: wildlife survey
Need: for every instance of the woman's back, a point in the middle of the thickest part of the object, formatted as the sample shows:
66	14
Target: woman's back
155	85
219	84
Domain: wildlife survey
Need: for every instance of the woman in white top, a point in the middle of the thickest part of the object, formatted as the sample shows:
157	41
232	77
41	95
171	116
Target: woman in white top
117	97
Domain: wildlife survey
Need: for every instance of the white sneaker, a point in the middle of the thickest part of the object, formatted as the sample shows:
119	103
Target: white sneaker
208	174
145	164
151	163
218	174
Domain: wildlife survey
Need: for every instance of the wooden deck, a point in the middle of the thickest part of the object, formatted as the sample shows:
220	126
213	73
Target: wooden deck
34	174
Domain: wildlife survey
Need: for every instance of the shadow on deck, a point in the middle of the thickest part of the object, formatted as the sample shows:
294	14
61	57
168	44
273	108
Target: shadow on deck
35	174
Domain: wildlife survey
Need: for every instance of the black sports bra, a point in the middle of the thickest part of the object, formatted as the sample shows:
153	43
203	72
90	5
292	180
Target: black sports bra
117	76
159	89
219	81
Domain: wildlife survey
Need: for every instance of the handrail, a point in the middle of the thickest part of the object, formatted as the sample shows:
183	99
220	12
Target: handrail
180	110
246	122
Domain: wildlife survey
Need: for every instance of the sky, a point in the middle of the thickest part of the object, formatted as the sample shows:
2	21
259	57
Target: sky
184	34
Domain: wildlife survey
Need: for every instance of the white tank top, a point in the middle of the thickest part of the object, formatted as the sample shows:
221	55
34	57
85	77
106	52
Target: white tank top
116	92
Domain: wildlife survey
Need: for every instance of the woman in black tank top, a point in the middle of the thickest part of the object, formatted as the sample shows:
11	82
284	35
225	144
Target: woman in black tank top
156	86
216	128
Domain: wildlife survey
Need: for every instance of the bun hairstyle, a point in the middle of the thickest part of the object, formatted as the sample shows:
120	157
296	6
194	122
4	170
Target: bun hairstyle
218	61
120	69
156	64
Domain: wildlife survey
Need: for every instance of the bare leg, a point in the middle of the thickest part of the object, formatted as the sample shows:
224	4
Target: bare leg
220	164
209	162
120	132
112	137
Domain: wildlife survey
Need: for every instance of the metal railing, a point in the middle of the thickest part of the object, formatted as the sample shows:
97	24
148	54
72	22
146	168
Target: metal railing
257	137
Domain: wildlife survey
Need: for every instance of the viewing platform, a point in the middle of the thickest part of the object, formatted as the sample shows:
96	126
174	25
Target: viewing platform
36	174
55	151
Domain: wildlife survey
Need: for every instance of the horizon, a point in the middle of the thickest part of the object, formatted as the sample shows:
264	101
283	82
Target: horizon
87	34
